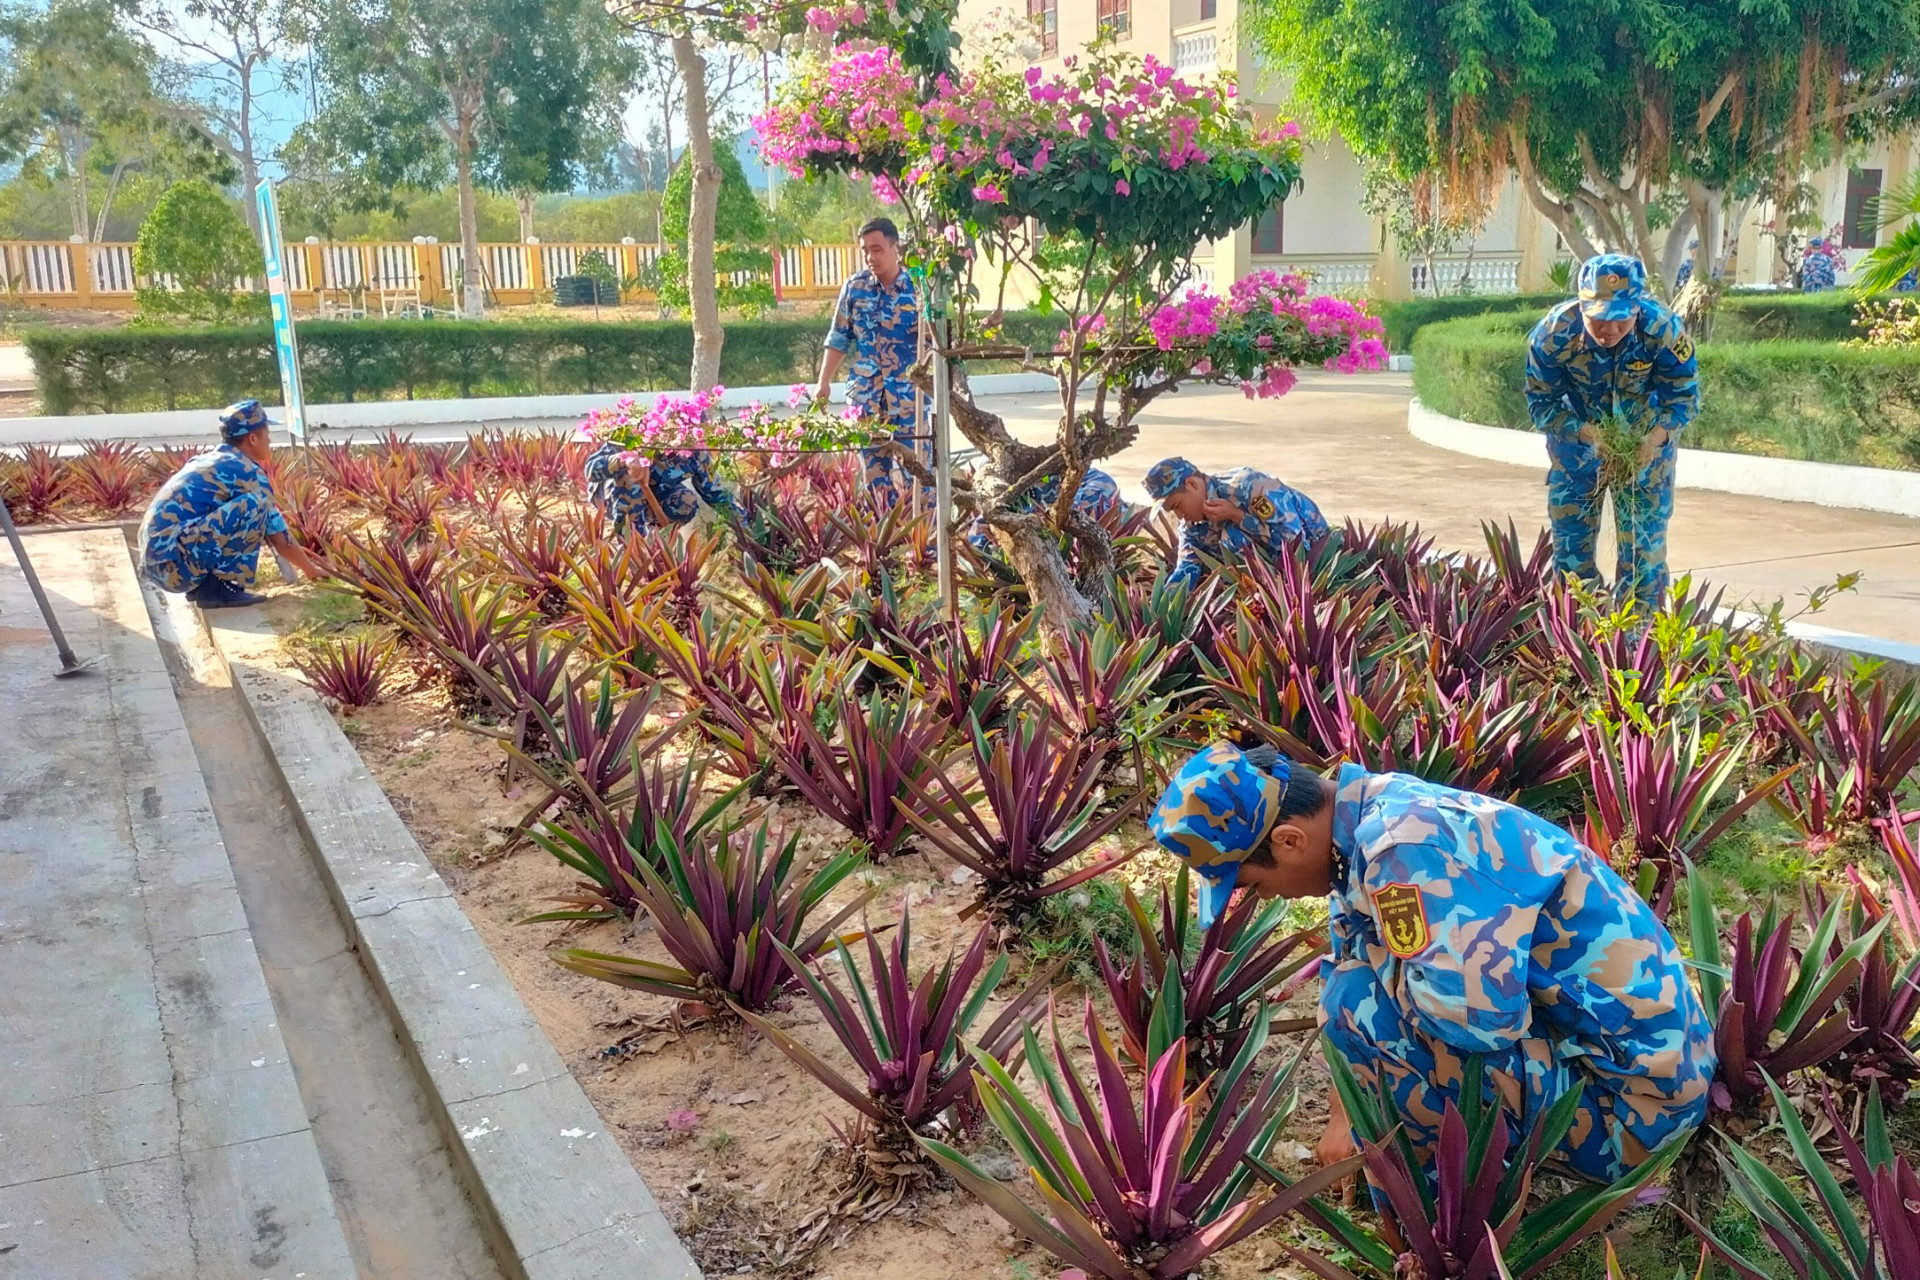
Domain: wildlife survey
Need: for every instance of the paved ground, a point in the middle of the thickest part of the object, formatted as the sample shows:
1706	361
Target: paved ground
150	1125
196	1076
1345	442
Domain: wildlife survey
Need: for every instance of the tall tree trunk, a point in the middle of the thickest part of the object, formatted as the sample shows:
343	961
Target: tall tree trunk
523	204
249	158
703	293
106	205
74	149
473	296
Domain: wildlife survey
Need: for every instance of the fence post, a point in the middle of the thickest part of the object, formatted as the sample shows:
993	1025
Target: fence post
81	257
426	269
536	268
806	270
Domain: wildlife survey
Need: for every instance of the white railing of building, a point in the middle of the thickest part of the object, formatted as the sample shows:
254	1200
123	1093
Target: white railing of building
1332	274
1482	273
1196	52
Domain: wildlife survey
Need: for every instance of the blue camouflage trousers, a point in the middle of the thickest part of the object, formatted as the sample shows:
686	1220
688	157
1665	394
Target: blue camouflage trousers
223	544
882	485
1641	509
1616	1128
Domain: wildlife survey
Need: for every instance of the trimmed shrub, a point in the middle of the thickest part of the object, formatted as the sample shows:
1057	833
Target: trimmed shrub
195	236
344	361
1404	319
1740	317
1817	401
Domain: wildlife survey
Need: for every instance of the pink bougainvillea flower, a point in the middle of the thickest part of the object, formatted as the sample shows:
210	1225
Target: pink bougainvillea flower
989	193
1123	188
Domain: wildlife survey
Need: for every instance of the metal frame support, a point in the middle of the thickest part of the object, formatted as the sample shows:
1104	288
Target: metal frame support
942	456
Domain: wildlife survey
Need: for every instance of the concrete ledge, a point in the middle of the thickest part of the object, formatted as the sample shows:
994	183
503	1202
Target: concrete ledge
564	1200
343	421
1824	484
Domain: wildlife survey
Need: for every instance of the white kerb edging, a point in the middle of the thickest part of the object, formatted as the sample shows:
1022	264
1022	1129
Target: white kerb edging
1825	484
335	421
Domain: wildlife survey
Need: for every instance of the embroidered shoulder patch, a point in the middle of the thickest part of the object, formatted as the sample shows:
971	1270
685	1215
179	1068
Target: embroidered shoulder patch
1682	348
1403	919
1261	506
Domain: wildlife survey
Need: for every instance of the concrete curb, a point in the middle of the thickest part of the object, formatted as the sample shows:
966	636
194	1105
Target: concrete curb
1701	469
1824	484
564	1200
335	422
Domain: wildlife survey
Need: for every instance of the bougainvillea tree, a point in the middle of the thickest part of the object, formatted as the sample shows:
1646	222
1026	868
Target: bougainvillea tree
1090	191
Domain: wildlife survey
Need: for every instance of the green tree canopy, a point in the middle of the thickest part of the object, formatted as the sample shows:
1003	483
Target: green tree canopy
1635	125
740	218
512	94
80	108
197	240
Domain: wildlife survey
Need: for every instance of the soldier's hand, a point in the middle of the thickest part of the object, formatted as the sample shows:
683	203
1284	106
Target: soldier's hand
1335	1145
1590	435
1221	511
821	394
1651	444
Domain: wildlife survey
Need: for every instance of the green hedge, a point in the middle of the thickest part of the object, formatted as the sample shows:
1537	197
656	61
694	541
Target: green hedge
1818	401
343	361
1740	317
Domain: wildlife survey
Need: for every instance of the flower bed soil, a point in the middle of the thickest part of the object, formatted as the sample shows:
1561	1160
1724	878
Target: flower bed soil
736	1142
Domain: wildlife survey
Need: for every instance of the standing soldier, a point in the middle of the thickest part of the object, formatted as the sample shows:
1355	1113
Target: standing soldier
1611	354
877	322
639	493
1225	515
1460	925
203	530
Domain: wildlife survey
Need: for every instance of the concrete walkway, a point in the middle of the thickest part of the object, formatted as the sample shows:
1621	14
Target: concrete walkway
1344	441
150	1122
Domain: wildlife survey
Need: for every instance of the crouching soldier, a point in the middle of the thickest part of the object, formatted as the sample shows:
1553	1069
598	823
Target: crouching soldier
203	531
1460	925
1225	516
1097	496
639	492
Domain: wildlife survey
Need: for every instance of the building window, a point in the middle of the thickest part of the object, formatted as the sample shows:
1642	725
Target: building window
1268	231
1863	209
1115	19
1046	17
1209	10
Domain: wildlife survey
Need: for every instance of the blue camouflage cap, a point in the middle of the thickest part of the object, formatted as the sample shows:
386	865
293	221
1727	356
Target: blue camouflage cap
1219	808
1611	286
242	419
1167	475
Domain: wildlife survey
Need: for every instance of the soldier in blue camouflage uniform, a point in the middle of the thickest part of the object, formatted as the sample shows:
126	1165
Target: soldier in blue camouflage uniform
203	530
1612	349
1225	515
1096	496
876	321
620	489
1460	925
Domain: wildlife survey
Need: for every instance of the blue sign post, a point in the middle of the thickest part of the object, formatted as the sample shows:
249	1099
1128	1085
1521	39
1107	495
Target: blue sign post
285	345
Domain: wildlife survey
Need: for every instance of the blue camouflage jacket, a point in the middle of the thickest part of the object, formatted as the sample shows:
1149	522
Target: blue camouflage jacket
878	326
1573	381
1490	926
1097	495
196	490
1276	515
616	489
